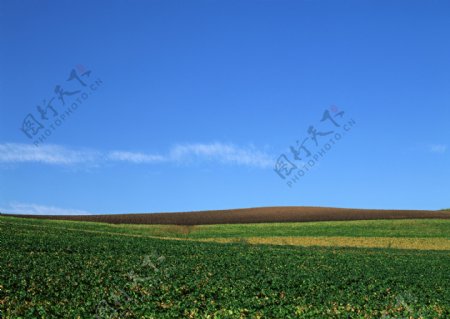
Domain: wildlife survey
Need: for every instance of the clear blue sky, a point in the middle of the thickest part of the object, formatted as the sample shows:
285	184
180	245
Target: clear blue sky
198	99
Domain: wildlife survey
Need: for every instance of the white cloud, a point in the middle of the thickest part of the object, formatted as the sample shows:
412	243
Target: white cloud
34	209
223	153
48	154
182	153
134	157
438	148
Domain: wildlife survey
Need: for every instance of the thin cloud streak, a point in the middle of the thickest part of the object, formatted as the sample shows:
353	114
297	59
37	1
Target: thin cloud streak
182	153
35	209
48	154
438	148
135	157
223	153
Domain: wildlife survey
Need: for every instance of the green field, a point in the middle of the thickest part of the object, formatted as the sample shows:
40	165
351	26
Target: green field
59	269
424	234
408	228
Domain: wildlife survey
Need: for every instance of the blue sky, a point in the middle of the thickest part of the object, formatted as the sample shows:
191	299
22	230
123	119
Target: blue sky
189	104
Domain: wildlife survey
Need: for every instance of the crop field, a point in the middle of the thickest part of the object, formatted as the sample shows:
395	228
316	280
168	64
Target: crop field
428	234
68	269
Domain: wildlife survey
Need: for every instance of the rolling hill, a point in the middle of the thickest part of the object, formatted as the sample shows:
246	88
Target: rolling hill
254	215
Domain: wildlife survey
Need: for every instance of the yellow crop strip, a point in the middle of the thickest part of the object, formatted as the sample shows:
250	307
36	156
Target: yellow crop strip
368	242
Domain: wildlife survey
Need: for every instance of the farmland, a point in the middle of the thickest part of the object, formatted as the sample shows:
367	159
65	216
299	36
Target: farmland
425	234
61	269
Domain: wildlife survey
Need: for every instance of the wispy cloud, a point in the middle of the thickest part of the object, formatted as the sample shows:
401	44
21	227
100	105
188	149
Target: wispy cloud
223	153
135	157
438	148
48	154
35	209
182	153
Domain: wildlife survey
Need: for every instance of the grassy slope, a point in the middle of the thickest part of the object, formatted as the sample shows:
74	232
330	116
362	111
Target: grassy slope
47	271
373	228
432	234
420	228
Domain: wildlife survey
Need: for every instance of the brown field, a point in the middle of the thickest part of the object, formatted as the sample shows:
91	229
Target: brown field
253	215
